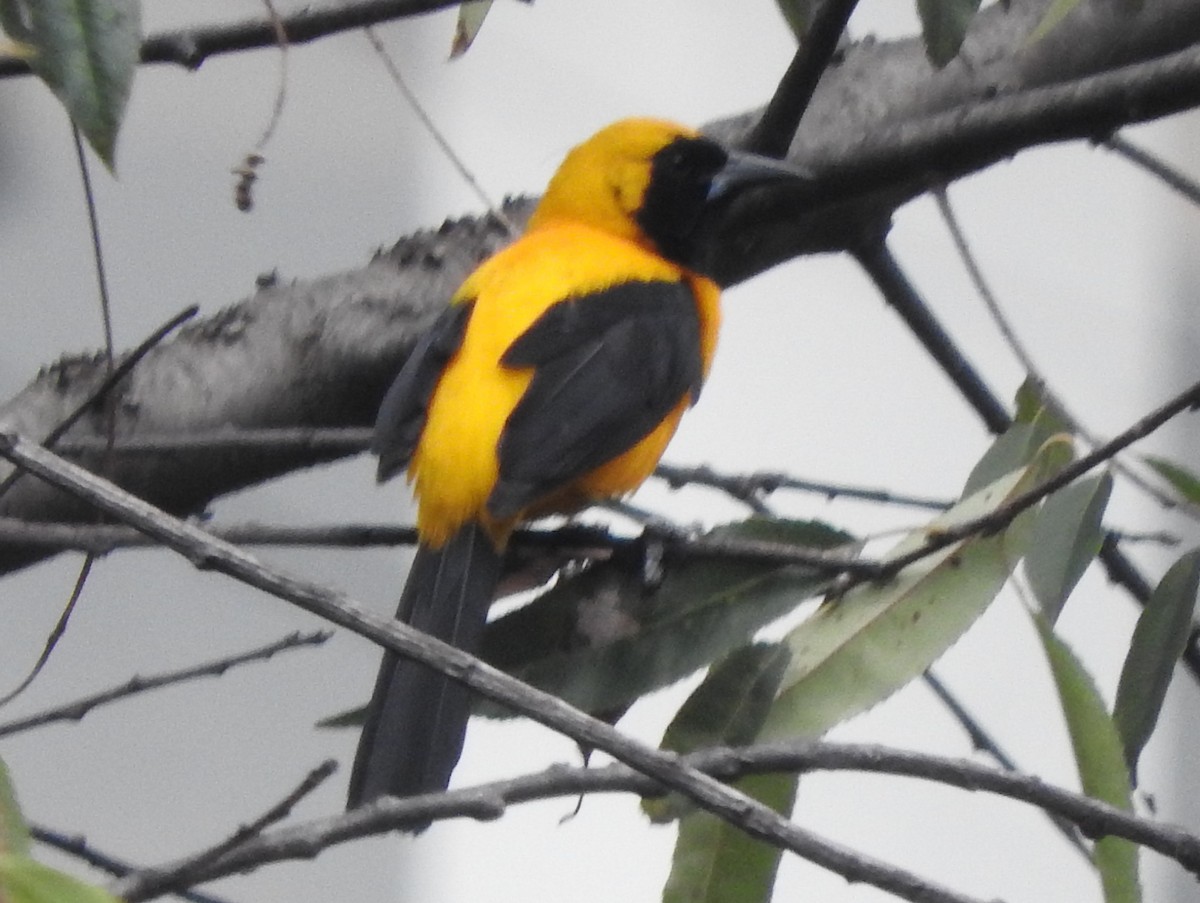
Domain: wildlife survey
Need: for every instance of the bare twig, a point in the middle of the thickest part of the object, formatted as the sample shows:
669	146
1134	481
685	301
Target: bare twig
773	134
746	486
728	803
119	372
1178	181
76	845
191	47
248	170
85	569
155	881
1167	498
435	133
898	291
489	801
60	627
1004	515
77	709
572	541
884	270
983	741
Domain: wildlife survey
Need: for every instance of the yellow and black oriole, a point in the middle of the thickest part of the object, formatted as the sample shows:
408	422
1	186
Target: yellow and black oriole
555	377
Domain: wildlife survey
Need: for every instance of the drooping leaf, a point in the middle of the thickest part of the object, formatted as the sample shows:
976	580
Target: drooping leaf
1158	640
1067	535
1055	13
1182	479
86	51
716	863
22	880
655	635
470	19
727	709
857	650
14	833
944	24
1100	760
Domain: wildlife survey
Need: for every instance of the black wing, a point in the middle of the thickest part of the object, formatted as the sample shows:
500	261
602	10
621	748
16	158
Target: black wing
608	367
402	414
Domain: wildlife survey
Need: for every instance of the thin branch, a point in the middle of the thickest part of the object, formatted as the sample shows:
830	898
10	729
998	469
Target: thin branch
490	801
1156	166
900	294
191	47
56	634
1001	517
1166	498
983	741
884	270
155	881
729	804
248	170
746	486
773	134
106	385
577	541
76	845
77	709
435	133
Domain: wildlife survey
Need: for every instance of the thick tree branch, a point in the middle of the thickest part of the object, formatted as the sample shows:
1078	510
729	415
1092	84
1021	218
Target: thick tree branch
882	122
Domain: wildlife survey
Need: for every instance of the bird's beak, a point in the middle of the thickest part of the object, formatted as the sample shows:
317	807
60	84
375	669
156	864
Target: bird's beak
743	170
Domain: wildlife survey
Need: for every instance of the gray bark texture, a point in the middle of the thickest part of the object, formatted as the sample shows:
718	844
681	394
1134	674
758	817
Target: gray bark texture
883	126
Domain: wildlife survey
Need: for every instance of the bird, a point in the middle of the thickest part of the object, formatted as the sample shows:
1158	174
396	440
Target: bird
554	378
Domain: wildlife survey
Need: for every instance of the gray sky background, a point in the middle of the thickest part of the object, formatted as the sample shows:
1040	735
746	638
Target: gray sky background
814	376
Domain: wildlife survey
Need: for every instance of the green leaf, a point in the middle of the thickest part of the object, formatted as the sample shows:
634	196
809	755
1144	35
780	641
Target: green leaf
944	25
655	635
1067	535
727	709
1036	422
1182	480
1056	12
22	880
470	19
1158	641
1100	760
86	51
729	705
14	833
857	650
717	863
1037	409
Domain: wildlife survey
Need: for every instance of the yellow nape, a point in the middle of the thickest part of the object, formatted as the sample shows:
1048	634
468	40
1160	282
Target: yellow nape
603	181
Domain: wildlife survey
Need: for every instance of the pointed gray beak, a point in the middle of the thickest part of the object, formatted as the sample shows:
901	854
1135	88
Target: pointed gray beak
744	170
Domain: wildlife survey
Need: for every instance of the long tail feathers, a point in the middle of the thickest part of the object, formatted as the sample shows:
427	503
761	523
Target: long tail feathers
415	723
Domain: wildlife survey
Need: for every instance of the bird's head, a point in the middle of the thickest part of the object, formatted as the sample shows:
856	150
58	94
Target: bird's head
654	182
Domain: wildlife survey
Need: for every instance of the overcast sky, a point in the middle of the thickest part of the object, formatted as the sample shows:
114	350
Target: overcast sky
814	376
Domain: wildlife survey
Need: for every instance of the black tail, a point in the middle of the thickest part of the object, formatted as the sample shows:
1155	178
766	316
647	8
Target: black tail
413	732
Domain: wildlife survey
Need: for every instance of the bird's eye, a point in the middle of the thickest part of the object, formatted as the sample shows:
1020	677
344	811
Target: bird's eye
676	158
